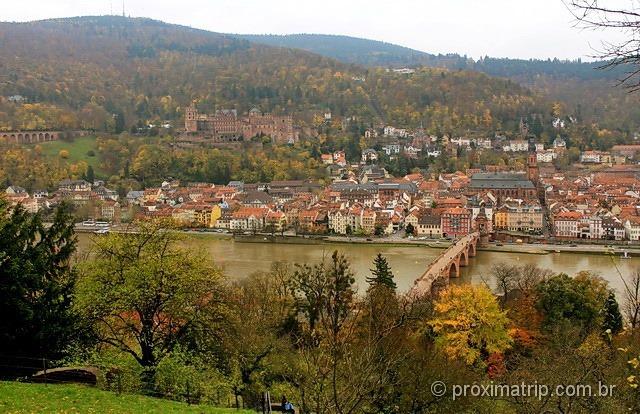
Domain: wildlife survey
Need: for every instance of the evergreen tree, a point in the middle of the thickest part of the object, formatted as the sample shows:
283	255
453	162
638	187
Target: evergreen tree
536	127
382	274
612	318
91	175
36	284
409	229
119	125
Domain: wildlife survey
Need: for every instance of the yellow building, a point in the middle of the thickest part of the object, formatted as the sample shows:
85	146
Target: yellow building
500	219
201	215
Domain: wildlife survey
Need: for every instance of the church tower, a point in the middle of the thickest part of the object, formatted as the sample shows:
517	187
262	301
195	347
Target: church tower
532	167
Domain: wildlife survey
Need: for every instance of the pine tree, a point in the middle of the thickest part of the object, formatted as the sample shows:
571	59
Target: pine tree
612	317
382	275
91	175
36	284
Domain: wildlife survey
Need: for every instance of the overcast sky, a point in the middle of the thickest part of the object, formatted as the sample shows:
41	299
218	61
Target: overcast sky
498	28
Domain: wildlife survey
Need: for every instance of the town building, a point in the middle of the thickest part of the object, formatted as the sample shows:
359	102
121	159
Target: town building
369	155
520	216
566	224
429	225
503	185
456	222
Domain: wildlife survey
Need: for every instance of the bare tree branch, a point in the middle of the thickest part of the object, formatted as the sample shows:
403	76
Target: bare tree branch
608	15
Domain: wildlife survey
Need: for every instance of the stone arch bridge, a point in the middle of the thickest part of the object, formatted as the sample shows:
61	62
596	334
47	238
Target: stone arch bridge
30	137
447	264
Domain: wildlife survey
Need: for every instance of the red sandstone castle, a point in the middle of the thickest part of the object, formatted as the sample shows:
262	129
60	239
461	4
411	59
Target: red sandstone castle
225	126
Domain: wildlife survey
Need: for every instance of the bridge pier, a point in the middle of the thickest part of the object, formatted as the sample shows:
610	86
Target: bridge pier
472	248
463	258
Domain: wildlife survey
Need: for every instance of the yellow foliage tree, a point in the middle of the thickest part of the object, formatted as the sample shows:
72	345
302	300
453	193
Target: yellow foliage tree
469	324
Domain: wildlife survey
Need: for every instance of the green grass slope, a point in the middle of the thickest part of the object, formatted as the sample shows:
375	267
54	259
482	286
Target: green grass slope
18	397
78	150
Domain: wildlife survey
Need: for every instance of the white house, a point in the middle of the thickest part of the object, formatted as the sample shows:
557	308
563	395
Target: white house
395	132
595	157
559	143
391	149
461	142
546	156
369	155
632	228
518	145
433	152
483	143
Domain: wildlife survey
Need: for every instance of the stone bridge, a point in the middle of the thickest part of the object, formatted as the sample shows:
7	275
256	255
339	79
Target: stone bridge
447	264
29	137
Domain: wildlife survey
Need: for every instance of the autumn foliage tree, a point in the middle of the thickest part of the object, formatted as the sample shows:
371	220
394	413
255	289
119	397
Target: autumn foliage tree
468	324
144	293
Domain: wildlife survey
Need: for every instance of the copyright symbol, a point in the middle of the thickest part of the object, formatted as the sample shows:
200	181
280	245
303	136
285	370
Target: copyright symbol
438	388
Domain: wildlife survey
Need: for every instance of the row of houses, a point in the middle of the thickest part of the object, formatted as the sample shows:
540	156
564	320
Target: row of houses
576	225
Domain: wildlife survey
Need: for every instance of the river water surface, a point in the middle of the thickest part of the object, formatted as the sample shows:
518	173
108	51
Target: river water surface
407	262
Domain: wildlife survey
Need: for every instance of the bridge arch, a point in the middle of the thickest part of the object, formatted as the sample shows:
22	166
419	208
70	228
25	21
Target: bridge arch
464	258
454	270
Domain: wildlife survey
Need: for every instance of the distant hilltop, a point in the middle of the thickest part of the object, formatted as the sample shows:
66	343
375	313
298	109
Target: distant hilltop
376	53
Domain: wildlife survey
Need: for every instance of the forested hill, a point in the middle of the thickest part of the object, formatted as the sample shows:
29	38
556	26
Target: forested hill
368	52
582	88
358	51
110	73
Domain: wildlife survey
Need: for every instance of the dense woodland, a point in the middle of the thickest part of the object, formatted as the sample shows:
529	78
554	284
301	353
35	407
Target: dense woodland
111	73
585	87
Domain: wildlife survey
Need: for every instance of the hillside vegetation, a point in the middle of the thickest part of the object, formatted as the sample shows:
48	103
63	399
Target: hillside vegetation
110	73
587	90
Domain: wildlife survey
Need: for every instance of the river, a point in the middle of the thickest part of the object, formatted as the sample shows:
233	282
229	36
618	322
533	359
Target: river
407	262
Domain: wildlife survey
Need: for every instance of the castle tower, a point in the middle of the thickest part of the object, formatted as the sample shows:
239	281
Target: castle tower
482	226
191	118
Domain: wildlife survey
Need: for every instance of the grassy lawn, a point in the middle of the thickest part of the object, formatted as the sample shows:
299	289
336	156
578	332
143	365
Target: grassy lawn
77	150
18	397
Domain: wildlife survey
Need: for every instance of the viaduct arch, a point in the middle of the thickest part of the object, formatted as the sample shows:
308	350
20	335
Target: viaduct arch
33	137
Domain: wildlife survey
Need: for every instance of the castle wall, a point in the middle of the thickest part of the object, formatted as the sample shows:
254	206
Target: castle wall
225	125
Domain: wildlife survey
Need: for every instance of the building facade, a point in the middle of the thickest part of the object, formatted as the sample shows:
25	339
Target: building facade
456	222
227	126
